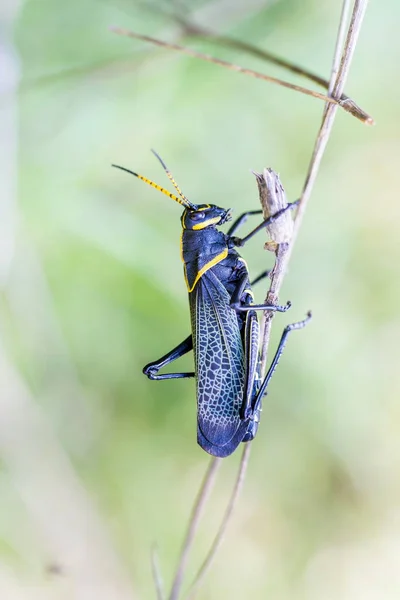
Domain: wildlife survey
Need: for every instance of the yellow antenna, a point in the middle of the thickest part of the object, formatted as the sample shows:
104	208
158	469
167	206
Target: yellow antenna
171	178
183	201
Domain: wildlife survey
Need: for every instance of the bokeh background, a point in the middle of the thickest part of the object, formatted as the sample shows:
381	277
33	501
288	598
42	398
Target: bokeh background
97	462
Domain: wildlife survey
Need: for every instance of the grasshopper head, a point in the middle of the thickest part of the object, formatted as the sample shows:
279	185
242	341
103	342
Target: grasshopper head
203	216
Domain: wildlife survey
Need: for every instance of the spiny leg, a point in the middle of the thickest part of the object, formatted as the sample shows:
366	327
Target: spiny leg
251	362
237	304
152	368
274	307
278	354
241	220
269	221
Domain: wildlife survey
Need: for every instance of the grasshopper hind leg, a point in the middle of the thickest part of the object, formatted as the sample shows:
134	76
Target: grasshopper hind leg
260	390
151	370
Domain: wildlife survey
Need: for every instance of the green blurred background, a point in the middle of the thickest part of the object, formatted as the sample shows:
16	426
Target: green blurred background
97	461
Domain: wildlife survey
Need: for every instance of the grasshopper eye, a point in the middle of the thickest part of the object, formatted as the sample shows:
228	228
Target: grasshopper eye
198	216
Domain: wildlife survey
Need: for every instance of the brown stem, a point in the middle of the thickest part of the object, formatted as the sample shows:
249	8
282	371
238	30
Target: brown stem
202	496
349	105
272	199
330	111
337	82
202	572
345	101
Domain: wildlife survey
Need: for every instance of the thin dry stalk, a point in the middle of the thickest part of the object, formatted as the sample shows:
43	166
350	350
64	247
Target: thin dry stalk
347	104
202	497
340	40
282	258
202	572
324	132
273	199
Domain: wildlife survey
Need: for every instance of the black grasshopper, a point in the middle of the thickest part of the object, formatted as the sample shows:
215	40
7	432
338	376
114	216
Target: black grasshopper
225	330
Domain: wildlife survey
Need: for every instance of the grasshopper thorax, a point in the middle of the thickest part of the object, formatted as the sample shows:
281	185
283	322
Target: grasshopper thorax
203	216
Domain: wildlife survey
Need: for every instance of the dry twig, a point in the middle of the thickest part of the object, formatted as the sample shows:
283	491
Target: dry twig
346	103
202	572
325	129
283	254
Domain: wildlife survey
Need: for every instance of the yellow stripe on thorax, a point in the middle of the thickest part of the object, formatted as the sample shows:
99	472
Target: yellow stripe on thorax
206	223
214	261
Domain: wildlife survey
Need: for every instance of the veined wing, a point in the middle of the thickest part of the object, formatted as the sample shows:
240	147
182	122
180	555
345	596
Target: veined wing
220	371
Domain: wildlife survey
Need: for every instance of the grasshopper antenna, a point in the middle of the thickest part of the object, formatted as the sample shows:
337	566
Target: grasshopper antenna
182	200
171	178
